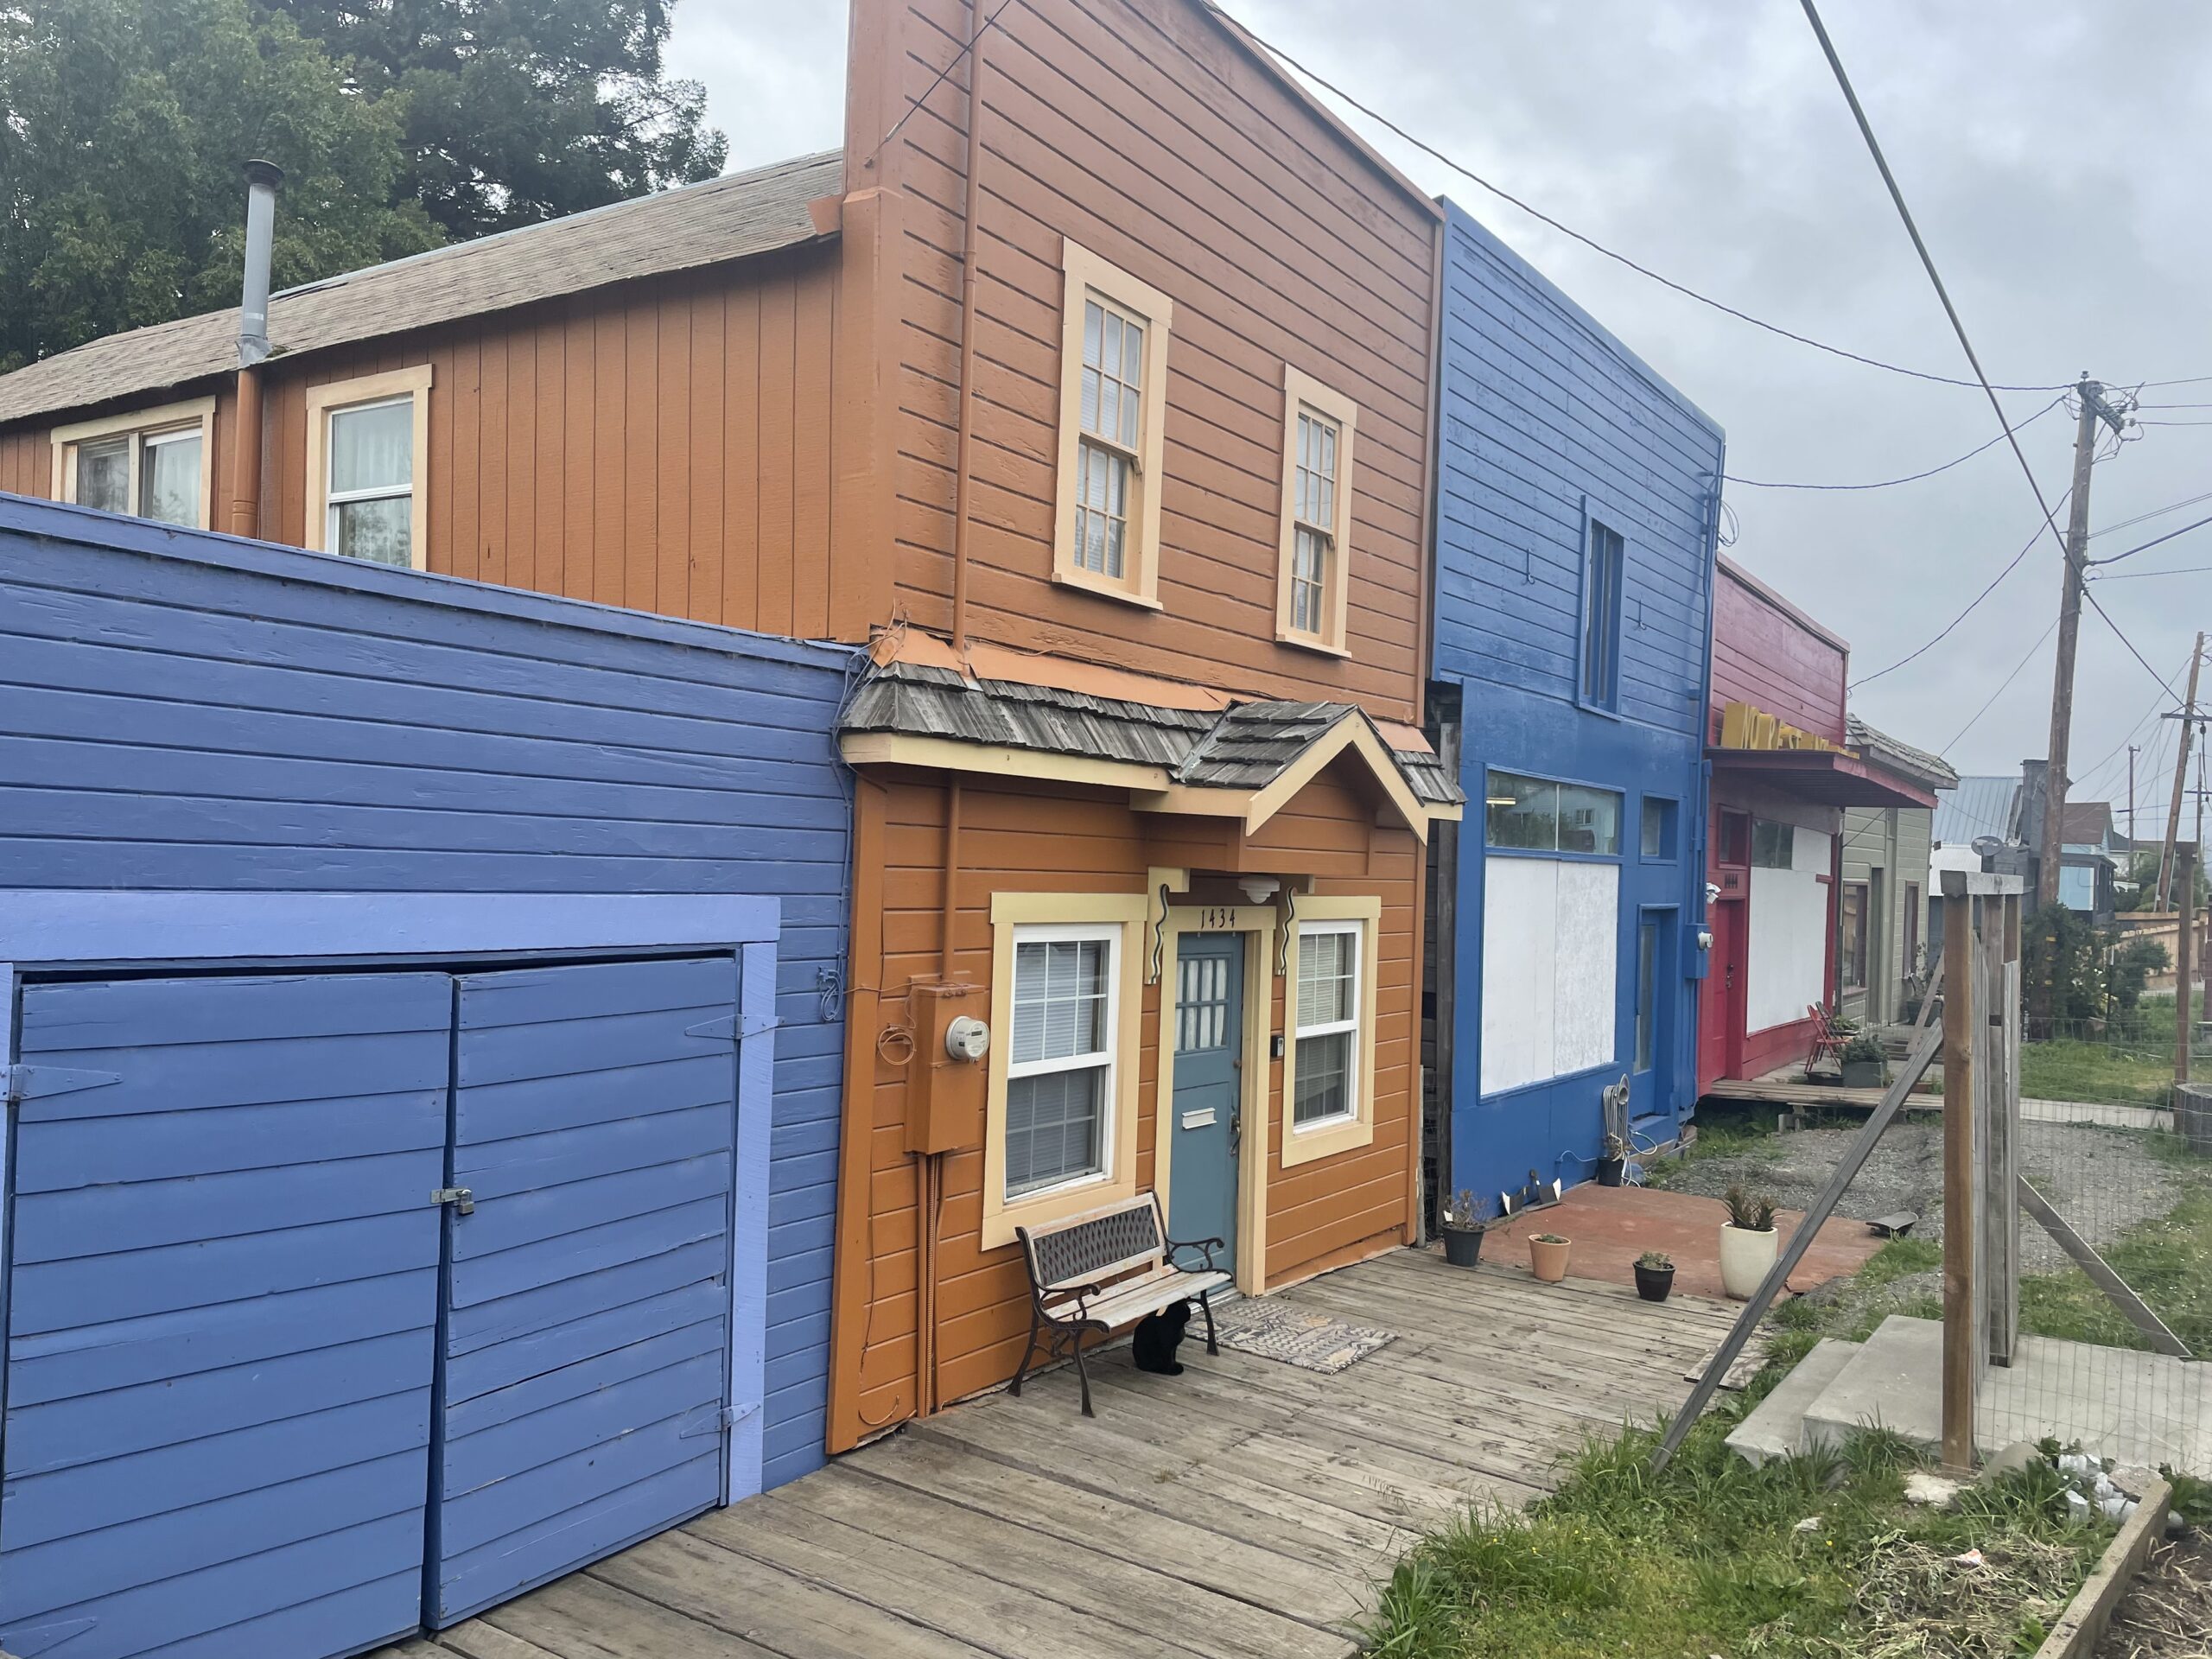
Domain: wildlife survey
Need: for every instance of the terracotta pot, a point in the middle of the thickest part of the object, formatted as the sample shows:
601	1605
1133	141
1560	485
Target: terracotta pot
1549	1261
1463	1246
1744	1258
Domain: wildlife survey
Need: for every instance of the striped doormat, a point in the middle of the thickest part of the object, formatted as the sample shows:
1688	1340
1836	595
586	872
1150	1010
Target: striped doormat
1296	1336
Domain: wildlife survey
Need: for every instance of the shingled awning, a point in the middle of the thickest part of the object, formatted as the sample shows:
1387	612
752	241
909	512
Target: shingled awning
1193	749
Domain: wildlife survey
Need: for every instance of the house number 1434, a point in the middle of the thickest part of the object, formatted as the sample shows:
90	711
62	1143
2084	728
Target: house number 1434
1218	919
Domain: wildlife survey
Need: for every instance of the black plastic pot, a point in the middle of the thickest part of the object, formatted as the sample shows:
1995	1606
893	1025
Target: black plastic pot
1654	1283
1610	1171
1463	1246
1865	1074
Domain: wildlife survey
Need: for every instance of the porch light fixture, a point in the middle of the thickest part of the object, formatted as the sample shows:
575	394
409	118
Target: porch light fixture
1260	888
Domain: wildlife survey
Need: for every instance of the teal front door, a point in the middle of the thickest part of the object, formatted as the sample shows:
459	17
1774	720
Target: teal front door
1209	1075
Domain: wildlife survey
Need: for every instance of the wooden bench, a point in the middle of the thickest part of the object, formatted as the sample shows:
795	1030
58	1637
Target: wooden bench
1104	1268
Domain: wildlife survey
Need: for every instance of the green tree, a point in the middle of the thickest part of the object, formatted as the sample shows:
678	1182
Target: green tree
2063	951
123	124
518	111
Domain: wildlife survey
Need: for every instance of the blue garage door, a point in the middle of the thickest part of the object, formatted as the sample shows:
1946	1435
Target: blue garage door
264	1395
588	1336
222	1314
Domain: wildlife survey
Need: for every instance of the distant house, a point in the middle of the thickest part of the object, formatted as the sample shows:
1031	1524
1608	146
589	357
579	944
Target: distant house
1883	912
1995	822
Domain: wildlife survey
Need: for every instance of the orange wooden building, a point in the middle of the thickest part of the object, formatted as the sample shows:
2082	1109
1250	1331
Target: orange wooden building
1092	384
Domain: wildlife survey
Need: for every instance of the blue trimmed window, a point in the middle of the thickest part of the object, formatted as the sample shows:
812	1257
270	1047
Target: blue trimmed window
1604	556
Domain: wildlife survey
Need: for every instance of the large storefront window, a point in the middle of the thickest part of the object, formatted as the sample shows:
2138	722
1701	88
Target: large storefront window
1536	815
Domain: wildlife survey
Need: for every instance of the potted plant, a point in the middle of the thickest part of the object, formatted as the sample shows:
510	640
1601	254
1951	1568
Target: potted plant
1655	1276
1865	1065
1748	1243
1464	1226
1548	1256
1612	1161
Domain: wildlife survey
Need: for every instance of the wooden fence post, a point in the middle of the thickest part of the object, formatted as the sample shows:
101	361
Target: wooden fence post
1963	1338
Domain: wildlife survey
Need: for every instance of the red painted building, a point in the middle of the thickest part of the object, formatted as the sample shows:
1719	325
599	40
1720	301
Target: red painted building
1781	777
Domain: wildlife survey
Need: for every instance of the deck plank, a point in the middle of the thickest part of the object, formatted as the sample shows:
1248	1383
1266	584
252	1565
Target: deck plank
1244	1510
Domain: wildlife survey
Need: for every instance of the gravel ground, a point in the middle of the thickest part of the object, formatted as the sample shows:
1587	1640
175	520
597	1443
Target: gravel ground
2102	1180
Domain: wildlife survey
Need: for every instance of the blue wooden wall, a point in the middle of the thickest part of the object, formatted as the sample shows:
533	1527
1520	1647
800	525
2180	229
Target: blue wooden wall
1547	418
188	711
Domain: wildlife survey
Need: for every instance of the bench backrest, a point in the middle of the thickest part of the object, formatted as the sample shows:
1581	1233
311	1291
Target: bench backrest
1096	1246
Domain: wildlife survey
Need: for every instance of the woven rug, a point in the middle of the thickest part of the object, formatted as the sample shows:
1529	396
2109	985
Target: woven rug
1297	1336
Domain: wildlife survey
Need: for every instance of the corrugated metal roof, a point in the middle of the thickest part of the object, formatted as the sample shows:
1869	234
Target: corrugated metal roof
1247	747
1978	806
733	217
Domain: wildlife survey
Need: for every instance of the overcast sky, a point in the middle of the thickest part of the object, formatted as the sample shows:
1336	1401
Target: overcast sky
2056	155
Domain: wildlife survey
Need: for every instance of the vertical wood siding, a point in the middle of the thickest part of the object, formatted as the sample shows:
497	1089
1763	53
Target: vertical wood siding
1136	128
292	721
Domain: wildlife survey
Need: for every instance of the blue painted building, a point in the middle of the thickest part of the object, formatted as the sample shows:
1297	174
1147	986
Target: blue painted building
423	1034
1576	523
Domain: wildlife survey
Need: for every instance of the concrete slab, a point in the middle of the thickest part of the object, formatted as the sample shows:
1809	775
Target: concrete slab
2142	1409
1893	1381
1611	1226
1776	1427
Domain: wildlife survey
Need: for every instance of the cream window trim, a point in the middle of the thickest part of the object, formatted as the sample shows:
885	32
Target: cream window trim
1341	1133
141	423
1012	913
1257	924
323	402
1086	278
1303	394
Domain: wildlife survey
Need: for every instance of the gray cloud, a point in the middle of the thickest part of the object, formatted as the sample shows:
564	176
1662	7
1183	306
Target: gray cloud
2053	154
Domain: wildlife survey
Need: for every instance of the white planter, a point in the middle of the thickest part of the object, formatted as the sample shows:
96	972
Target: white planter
1744	1258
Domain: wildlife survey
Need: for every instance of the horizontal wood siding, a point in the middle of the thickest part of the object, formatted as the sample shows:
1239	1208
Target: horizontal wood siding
1136	128
1543	411
286	721
1054	840
1766	657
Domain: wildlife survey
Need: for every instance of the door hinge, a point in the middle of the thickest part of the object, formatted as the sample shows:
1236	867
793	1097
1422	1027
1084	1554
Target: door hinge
463	1201
715	1421
37	1082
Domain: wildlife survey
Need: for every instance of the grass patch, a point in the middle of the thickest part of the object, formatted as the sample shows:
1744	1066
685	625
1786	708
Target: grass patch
2167	1262
1722	1132
2070	1069
1708	1558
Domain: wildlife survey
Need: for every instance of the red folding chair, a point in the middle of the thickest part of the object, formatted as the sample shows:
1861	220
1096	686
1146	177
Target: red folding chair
1827	1040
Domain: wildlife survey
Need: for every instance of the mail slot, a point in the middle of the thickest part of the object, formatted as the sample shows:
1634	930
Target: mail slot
1200	1119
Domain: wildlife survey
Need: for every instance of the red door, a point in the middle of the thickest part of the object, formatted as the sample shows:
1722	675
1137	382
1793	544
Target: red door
1721	1008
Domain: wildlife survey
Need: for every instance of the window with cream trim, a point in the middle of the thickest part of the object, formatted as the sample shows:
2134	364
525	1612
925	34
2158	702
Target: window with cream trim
368	442
1311	585
1060	1102
150	463
1329	1063
1113	398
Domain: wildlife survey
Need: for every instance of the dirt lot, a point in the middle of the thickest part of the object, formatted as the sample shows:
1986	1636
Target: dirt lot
2168	1611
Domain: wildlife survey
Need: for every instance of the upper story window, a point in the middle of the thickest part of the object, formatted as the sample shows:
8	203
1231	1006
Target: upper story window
368	442
1603	559
1113	398
151	463
1312	586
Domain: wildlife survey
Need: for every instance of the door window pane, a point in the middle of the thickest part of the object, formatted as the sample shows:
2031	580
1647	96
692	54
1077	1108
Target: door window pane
168	483
372	448
104	475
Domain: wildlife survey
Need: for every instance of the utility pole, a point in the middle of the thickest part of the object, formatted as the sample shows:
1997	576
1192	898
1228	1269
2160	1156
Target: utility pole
2188	718
2094	408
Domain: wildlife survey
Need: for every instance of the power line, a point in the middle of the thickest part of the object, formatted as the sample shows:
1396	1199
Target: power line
1910	478
2155	512
954	62
2154	541
2139	575
1927	263
2129	643
2011	565
1595	246
2002	684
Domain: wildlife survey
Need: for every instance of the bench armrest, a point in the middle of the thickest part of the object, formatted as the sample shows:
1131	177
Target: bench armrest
1207	1245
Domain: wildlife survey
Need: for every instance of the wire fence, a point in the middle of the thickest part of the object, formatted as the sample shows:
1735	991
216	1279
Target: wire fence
2127	1059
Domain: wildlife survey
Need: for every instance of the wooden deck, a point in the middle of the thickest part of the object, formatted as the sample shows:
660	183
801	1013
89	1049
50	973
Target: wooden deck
1239	1511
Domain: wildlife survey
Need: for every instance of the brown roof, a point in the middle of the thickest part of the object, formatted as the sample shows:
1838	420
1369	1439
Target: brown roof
2084	823
729	218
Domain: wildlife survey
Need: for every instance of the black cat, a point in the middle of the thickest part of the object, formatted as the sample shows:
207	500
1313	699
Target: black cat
1157	1337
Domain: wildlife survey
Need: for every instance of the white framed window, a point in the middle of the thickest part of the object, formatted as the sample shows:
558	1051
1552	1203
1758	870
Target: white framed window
1060	1100
150	463
1113	402
1327	1088
368	444
1059	1079
1312	589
